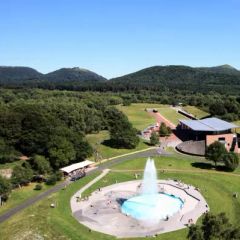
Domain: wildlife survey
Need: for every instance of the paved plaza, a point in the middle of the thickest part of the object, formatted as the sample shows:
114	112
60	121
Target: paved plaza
102	210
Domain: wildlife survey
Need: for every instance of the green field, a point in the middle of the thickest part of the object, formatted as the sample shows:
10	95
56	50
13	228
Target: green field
41	222
170	114
19	195
141	119
96	141
137	115
198	113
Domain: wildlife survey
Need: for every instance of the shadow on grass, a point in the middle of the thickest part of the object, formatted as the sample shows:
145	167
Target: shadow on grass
116	144
209	166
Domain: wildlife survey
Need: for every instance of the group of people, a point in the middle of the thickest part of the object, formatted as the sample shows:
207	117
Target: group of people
77	173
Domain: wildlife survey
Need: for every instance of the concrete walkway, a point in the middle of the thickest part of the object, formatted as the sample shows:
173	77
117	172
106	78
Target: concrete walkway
88	185
105	207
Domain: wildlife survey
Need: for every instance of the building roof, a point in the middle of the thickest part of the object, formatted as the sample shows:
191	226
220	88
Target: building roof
209	125
76	166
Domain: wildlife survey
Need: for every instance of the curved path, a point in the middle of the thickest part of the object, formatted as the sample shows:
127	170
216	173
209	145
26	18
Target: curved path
180	170
5	216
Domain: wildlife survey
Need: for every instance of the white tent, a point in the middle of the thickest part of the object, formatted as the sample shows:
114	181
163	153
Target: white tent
76	166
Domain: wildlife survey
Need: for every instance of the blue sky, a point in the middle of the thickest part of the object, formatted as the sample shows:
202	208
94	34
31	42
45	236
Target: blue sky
116	37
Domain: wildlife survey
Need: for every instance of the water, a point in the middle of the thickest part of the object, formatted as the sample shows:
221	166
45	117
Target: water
151	205
149	184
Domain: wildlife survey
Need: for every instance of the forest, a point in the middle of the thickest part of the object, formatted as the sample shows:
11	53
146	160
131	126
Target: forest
53	124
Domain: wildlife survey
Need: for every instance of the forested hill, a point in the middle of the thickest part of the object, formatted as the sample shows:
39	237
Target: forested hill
73	74
222	78
14	74
18	76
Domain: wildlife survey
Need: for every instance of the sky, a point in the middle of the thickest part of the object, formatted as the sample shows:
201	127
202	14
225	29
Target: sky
117	37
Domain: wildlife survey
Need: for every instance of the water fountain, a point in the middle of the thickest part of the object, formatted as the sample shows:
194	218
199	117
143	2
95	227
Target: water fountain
151	204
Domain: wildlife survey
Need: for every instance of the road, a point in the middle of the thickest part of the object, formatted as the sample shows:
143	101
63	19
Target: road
5	216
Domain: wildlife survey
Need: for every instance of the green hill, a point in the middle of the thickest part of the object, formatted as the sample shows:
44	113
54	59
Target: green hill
73	75
16	74
167	78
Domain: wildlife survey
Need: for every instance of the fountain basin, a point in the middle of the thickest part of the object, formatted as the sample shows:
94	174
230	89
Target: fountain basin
152	206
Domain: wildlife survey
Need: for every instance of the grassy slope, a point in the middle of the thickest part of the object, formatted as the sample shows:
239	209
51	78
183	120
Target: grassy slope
171	114
137	115
39	220
198	113
20	195
106	151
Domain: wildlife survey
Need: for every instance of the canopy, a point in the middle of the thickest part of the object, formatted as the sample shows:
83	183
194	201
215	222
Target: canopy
76	166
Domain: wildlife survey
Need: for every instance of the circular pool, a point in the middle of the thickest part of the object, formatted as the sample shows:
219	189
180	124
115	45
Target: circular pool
152	206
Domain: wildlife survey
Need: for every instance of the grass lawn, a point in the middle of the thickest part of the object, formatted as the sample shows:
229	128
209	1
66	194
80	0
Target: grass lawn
171	114
96	140
237	123
19	195
41	222
137	115
198	113
141	119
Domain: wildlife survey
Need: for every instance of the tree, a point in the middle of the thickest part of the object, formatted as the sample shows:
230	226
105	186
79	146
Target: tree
51	180
214	227
215	152
164	130
40	164
83	150
231	161
7	153
154	139
195	233
60	152
217	108
5	189
122	133
21	175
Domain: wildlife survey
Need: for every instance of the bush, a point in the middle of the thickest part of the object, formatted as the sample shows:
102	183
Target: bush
38	187
51	180
59	175
164	130
231	161
5	188
154	139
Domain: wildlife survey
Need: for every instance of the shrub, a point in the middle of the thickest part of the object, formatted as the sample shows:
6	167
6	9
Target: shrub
38	187
154	139
231	161
59	175
51	180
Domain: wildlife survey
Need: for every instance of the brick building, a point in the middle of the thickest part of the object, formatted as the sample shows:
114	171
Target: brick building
207	131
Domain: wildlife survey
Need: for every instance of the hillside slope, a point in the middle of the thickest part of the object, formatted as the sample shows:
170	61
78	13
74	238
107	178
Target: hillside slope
181	78
15	74
73	74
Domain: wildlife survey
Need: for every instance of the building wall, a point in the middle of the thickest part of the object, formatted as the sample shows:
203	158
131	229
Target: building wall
229	137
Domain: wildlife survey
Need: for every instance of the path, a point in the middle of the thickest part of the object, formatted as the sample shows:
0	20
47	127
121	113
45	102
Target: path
96	179
180	170
78	194
5	216
160	118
